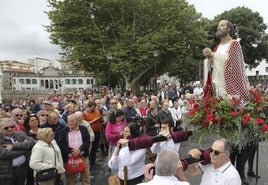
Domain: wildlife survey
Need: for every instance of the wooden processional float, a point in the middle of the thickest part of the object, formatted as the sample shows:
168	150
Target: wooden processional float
180	136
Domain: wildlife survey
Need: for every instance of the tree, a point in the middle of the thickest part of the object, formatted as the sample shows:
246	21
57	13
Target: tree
250	30
131	31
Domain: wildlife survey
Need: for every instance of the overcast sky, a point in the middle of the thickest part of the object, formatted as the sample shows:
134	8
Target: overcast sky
23	37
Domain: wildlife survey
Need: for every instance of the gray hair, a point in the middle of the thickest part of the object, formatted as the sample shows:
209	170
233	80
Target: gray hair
227	145
166	163
5	120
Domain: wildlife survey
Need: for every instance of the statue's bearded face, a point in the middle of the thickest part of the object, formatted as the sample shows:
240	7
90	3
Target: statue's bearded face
222	32
222	29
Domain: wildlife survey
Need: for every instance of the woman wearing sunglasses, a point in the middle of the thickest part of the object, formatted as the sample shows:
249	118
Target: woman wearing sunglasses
220	170
42	116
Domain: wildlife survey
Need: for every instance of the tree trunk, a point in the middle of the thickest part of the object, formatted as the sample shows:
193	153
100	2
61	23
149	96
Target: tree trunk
133	83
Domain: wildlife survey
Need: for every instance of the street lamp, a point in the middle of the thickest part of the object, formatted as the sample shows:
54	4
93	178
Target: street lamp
109	57
1	87
155	53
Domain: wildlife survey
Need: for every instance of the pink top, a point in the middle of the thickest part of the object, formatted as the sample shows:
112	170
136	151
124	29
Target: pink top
75	139
113	132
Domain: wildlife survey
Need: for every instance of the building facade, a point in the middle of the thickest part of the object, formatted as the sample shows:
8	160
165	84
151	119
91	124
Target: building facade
19	76
259	74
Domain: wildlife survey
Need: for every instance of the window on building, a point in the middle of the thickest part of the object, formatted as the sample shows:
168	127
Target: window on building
257	73
34	81
28	81
67	81
266	69
51	84
73	81
88	81
42	83
21	81
92	81
46	84
80	81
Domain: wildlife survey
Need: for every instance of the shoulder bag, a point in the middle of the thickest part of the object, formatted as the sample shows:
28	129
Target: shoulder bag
47	174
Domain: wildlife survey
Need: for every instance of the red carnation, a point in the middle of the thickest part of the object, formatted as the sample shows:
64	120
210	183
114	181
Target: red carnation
251	91
216	120
209	118
258	99
207	104
259	121
192	112
245	120
264	128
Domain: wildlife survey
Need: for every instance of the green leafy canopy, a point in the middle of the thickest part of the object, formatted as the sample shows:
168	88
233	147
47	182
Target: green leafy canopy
131	31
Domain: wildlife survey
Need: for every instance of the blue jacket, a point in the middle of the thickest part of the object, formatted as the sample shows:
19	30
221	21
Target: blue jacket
64	142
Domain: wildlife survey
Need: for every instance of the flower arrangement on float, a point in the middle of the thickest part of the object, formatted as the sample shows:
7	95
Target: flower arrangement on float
228	118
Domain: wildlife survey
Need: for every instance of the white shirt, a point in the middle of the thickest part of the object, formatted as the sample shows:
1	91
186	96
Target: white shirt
134	160
198	91
160	146
225	175
164	180
176	114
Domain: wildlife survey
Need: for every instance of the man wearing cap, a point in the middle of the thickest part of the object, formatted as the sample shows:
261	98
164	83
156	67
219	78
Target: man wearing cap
17	119
38	106
54	123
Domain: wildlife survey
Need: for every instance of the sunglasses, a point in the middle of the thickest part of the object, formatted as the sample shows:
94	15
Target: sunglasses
216	152
113	103
43	115
8	127
18	115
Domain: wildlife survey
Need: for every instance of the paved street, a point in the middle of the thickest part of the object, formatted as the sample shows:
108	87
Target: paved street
101	171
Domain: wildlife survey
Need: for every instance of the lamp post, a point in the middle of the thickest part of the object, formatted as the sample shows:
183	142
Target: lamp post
155	53
109	57
1	87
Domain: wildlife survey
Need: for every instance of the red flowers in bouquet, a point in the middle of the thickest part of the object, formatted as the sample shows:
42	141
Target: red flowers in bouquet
229	118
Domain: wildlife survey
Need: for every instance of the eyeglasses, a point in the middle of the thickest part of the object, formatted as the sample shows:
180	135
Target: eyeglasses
18	115
8	127
113	103
43	115
216	152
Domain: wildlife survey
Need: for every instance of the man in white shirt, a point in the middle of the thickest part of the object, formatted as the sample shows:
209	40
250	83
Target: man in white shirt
164	145
166	164
176	113
220	171
198	90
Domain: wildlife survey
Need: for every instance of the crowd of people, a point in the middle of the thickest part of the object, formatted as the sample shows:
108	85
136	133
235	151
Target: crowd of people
47	132
103	126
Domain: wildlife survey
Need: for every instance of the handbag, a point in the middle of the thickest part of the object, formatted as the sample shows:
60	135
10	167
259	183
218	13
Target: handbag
114	179
75	165
44	175
47	174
